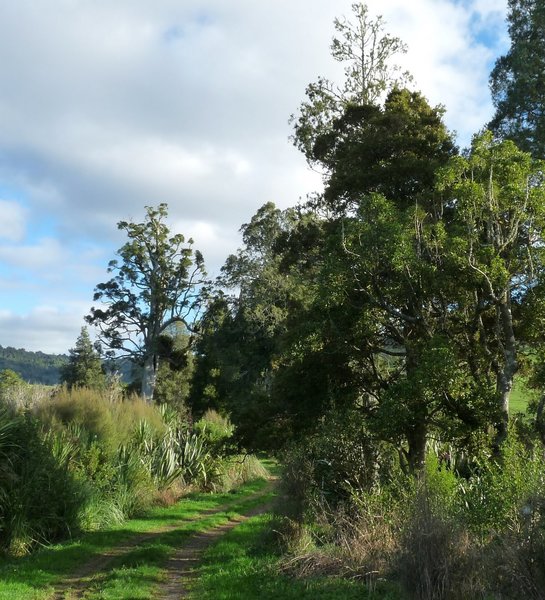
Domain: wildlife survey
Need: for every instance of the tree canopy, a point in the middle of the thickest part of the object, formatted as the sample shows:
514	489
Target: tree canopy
157	283
395	294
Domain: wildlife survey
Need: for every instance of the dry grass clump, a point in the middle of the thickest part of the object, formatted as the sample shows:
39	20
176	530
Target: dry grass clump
340	544
517	557
440	535
439	559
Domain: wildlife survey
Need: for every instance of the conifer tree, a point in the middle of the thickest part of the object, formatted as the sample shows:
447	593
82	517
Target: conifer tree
84	367
517	81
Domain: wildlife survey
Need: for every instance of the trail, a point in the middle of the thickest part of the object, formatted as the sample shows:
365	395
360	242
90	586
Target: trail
182	567
178	567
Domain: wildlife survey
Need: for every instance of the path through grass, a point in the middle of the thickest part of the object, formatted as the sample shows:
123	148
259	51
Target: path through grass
36	577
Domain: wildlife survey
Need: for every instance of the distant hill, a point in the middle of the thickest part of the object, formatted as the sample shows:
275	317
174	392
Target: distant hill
34	367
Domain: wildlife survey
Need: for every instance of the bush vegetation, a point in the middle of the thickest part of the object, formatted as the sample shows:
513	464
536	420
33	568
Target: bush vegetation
447	533
75	460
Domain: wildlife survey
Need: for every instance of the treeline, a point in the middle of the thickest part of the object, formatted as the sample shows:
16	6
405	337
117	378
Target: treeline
373	335
33	367
409	293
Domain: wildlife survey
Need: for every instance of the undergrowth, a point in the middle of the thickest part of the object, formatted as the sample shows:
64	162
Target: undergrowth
77	461
440	534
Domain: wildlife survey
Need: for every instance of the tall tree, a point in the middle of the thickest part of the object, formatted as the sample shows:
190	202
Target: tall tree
381	279
84	367
157	283
367	53
517	81
242	327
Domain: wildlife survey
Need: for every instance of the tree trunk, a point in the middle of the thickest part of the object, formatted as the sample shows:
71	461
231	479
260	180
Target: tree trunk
416	455
149	377
507	372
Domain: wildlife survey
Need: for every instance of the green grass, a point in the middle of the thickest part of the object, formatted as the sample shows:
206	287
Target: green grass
243	566
520	396
137	573
34	577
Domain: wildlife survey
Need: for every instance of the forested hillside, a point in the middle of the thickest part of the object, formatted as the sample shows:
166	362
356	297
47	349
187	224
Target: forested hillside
34	367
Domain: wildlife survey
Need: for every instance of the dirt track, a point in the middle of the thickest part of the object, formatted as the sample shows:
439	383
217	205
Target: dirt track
182	566
179	569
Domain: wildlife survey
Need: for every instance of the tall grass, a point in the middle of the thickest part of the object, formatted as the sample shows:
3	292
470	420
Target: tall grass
78	460
40	496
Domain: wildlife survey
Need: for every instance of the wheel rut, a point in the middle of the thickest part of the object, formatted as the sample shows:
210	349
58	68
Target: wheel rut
182	567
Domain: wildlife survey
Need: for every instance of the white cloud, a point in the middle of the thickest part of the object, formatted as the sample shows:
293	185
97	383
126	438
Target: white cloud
44	328
47	253
109	106
12	221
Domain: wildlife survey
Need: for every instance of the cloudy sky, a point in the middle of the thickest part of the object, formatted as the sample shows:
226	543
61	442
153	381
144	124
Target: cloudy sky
106	107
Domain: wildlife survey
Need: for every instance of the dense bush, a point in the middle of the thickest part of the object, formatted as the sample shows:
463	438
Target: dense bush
338	462
40	498
79	461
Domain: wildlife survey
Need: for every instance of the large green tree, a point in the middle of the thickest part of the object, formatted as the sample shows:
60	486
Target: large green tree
380	287
242	327
497	248
517	81
157	283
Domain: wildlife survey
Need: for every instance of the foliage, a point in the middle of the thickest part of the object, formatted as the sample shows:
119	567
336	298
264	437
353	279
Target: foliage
175	373
334	465
84	367
216	429
240	332
498	494
40	496
156	285
497	248
518	77
9	379
366	52
94	463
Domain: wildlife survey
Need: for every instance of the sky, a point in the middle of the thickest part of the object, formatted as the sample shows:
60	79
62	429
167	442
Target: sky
108	107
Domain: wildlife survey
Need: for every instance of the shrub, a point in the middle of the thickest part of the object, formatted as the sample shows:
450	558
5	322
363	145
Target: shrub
493	498
216	430
234	471
340	460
